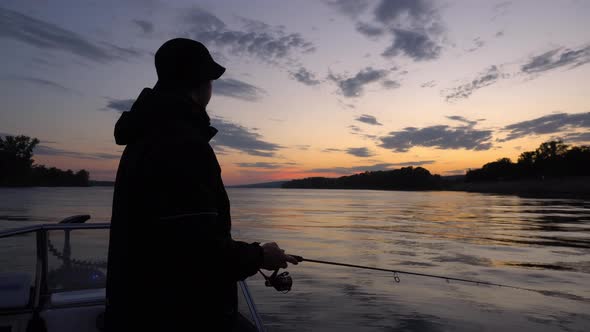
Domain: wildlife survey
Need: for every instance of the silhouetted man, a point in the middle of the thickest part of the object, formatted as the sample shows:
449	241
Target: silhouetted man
172	262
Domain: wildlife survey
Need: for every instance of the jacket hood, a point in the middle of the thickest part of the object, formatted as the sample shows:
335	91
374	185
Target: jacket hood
156	113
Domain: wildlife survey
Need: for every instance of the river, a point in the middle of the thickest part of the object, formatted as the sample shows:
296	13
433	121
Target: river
526	242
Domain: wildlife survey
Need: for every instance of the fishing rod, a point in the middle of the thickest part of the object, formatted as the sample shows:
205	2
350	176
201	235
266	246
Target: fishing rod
283	282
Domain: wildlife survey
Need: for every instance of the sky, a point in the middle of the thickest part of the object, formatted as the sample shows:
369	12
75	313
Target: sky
312	88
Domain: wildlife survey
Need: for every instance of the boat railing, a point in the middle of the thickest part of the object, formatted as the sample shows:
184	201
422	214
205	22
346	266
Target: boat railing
90	274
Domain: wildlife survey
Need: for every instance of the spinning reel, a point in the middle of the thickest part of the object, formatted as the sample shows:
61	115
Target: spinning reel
281	282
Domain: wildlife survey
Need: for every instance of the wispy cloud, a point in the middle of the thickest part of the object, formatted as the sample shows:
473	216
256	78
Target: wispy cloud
237	137
265	165
557	58
353	86
306	77
331	150
577	137
429	84
390	84
45	150
548	124
145	26
356	130
254	38
477	44
368	119
41	82
237	89
45	35
119	105
369	30
360	152
464	120
490	76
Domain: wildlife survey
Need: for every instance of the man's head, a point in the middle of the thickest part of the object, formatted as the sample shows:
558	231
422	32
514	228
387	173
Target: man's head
186	65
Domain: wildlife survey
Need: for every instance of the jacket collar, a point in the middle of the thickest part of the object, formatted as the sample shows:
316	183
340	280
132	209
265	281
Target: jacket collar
186	110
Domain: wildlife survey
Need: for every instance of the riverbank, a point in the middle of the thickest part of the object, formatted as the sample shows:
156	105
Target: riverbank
574	187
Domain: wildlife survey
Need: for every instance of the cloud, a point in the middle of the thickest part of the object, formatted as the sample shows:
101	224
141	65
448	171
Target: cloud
370	168
478	43
305	77
501	9
577	137
414	163
353	86
360	152
486	78
415	44
557	58
394	11
41	82
303	147
119	105
415	27
459	118
237	89
369	30
369	119
390	84
352	8
237	137
439	137
331	150
429	84
548	124
254	39
45	35
356	130
264	165
45	150
145	26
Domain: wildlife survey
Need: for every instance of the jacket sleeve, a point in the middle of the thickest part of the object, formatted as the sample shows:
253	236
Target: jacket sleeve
189	186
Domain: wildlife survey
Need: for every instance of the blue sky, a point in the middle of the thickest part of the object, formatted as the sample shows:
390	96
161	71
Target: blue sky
312	87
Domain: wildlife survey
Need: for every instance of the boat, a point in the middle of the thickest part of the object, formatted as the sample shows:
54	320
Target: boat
50	288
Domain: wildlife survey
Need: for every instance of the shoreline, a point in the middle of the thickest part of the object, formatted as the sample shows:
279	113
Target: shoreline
564	187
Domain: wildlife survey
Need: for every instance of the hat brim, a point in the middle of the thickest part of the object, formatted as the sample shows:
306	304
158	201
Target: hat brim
216	71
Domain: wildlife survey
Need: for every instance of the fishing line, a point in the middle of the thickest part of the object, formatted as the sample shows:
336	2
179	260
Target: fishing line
396	274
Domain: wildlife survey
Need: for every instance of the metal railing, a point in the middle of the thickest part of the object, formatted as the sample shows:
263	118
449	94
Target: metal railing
41	291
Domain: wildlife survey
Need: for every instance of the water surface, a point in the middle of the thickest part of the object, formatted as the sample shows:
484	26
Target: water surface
534	243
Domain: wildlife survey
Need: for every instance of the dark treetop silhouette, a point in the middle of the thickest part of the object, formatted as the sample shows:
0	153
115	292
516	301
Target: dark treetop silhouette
173	264
550	159
17	168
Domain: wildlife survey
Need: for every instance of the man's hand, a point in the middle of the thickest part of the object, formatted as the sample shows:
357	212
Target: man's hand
275	257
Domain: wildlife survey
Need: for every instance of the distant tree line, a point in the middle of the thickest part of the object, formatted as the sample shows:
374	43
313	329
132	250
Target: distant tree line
17	168
407	178
551	159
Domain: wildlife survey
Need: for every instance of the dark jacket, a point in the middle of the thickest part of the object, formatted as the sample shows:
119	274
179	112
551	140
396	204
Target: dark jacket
172	261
